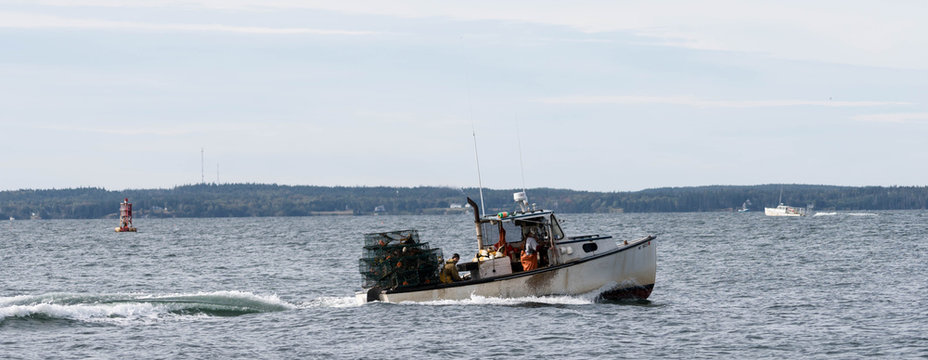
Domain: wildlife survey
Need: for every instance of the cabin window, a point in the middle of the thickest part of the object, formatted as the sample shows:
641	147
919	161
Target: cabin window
535	224
490	232
556	229
590	247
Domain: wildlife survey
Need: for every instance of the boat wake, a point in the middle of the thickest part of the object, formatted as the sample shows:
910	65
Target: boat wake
331	302
589	298
127	308
528	301
845	214
531	301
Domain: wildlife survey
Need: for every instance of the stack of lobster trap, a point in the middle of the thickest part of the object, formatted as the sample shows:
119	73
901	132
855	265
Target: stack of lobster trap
398	259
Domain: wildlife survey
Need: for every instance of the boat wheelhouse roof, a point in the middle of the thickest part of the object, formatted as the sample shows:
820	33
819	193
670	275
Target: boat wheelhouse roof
517	216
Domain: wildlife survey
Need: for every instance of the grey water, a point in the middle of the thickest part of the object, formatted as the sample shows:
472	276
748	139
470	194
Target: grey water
729	285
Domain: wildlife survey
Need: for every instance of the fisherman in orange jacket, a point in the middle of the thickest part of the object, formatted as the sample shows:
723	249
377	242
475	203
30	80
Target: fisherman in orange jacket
530	253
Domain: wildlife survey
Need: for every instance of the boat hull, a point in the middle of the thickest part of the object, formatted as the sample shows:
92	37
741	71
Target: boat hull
629	271
784	211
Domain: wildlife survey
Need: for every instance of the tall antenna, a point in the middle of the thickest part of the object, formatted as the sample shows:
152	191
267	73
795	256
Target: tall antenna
479	181
202	169
521	166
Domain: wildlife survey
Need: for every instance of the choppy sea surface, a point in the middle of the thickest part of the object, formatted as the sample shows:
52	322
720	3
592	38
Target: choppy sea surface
838	285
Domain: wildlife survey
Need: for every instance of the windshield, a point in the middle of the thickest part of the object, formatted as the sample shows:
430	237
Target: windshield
490	232
556	229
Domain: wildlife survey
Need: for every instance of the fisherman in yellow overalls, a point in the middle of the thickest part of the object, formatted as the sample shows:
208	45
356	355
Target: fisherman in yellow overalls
449	273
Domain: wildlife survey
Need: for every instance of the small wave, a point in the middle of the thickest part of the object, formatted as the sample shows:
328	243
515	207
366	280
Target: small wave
862	214
120	308
825	214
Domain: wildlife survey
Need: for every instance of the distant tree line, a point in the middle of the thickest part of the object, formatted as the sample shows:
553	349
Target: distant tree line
251	200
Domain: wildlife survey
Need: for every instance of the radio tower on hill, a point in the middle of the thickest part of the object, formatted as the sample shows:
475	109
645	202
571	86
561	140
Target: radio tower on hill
202	177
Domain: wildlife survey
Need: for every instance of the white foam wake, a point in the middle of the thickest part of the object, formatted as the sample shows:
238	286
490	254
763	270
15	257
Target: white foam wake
846	214
121	308
862	214
331	302
581	299
120	313
516	301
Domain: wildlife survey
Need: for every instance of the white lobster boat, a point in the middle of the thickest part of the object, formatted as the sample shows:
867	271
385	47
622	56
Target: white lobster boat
785	210
567	266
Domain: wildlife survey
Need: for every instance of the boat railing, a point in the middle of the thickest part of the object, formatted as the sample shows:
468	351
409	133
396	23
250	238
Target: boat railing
581	237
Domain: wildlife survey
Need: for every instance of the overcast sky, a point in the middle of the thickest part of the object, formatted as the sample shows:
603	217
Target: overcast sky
605	96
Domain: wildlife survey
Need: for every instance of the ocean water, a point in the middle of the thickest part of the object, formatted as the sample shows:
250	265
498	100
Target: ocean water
838	285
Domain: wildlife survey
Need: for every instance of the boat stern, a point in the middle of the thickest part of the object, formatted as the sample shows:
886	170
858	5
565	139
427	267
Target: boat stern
369	295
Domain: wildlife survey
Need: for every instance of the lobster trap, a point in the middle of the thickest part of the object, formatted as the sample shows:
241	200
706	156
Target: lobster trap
397	259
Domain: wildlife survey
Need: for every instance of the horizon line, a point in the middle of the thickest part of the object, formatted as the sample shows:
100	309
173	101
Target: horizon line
449	187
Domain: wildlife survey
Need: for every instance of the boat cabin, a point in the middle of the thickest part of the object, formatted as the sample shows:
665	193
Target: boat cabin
501	242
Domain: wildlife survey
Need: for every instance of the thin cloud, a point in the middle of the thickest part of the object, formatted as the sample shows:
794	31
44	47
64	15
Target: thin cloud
126	131
704	103
863	33
20	20
897	118
256	129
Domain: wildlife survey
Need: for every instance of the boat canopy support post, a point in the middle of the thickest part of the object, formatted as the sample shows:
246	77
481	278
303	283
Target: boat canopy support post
552	244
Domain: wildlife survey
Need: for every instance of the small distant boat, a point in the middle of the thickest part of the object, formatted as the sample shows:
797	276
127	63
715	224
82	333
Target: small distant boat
12	218
785	210
125	217
745	207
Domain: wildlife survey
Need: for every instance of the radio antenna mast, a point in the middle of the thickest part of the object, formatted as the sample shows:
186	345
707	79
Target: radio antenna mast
521	166
202	169
479	181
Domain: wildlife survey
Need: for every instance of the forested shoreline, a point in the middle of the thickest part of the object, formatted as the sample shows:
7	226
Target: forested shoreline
255	200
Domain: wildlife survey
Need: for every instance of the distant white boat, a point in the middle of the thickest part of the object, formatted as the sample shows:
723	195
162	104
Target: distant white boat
784	210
